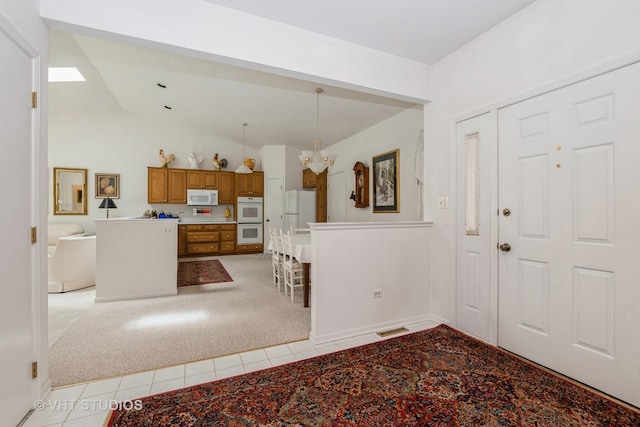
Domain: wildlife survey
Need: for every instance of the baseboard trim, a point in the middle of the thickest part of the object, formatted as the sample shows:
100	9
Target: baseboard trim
350	333
141	296
46	388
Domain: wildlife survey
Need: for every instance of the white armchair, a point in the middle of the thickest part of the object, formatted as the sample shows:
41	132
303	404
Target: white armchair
73	264
56	231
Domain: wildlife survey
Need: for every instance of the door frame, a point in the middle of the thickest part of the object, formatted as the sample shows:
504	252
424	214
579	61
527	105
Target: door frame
41	386
493	108
490	139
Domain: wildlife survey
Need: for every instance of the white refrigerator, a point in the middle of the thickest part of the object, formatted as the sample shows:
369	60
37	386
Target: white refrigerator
299	208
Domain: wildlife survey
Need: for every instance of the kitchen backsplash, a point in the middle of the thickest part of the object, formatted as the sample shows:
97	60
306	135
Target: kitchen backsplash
184	211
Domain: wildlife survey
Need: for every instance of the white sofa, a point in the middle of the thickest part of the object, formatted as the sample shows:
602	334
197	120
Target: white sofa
56	231
73	264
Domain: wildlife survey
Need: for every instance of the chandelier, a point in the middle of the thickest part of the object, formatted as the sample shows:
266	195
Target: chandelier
316	160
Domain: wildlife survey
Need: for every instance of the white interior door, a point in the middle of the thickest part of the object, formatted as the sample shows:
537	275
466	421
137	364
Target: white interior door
16	252
337	197
569	287
473	229
274	208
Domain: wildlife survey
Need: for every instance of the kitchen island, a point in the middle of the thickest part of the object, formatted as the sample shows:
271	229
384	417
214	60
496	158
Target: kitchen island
206	236
136	258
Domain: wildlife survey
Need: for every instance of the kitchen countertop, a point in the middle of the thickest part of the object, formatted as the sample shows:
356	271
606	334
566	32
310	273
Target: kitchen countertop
191	220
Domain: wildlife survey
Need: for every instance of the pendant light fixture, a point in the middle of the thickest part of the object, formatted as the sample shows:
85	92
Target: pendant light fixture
243	168
316	160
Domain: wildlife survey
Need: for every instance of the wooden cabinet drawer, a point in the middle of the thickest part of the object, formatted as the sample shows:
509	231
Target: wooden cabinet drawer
202	236
227	247
200	248
202	227
228	236
227	227
248	249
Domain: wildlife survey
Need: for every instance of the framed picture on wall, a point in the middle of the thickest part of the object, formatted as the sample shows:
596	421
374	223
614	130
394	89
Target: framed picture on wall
107	185
386	183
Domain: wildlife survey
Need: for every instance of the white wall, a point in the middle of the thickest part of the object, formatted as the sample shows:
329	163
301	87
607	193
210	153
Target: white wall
281	161
398	132
123	143
546	42
379	256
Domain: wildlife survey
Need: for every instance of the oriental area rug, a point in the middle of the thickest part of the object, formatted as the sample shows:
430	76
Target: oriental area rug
202	272
436	377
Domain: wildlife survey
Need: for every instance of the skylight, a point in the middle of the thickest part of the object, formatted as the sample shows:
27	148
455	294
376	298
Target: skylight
65	74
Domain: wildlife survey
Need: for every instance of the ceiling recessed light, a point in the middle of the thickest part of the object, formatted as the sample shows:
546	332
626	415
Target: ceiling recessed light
161	85
65	74
167	107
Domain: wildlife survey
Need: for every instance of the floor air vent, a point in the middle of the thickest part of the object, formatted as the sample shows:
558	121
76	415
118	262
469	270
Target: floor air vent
392	332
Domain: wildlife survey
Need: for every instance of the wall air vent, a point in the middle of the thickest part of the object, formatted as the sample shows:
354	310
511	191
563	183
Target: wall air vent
392	332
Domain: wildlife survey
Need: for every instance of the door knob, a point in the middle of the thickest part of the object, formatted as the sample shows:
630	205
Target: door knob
505	247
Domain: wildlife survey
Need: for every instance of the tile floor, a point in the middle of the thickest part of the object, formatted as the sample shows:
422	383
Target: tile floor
87	405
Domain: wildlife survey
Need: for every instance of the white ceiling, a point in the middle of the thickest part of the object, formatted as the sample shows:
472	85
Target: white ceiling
216	99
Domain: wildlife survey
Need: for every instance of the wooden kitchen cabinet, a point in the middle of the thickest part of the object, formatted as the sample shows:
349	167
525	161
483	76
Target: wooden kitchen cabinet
226	188
169	185
166	185
250	184
206	239
319	182
182	240
249	249
157	185
202	239
227	238
177	192
201	179
308	179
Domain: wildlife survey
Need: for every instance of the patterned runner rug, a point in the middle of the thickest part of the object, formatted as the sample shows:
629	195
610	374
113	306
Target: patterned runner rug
437	377
202	272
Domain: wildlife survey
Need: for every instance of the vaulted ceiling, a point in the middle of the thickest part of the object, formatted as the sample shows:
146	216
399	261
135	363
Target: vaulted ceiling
216	98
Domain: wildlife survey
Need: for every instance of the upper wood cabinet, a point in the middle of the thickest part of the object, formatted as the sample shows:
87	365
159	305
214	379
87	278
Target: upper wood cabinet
250	184
157	185
226	188
308	179
177	192
201	179
166	185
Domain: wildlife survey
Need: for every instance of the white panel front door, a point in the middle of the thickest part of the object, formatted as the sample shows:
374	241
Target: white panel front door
16	252
473	228
570	286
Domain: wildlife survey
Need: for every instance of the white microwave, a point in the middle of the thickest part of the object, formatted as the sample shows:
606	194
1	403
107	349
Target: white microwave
202	197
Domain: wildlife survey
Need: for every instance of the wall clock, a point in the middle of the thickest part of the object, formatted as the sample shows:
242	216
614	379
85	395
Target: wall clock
362	185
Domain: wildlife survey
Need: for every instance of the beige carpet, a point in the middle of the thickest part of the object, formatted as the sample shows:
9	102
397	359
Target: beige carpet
122	337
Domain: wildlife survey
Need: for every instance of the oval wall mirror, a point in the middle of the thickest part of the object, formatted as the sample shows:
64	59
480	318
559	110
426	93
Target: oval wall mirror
69	191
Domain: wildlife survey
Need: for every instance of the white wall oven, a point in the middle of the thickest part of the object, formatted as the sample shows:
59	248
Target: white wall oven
249	234
249	210
249	220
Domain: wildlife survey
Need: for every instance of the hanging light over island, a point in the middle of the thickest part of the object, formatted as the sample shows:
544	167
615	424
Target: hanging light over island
246	161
